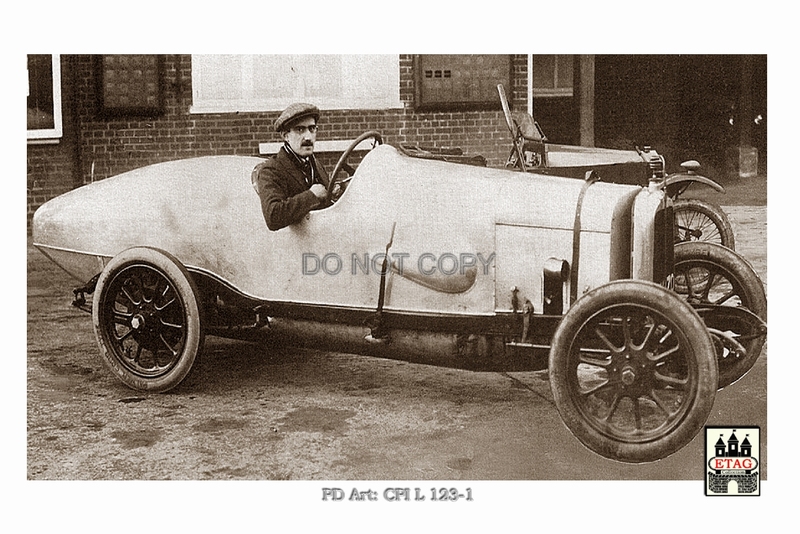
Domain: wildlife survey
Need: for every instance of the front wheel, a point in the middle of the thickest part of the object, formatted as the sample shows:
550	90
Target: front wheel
146	318
632	371
697	220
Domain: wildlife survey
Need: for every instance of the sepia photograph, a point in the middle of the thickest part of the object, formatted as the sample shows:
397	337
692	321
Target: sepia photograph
501	252
375	281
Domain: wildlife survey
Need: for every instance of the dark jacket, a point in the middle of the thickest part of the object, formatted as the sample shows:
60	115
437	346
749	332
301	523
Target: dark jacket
281	185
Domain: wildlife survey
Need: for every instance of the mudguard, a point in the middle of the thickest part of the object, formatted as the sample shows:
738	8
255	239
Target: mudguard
678	182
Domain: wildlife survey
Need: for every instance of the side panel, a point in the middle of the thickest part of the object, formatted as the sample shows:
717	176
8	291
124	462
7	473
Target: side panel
525	271
596	242
521	256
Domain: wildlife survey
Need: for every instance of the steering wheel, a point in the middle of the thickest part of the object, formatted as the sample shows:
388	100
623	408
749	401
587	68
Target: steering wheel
341	165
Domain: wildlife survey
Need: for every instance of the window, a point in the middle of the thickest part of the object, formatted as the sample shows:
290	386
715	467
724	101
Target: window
44	98
130	85
551	75
460	81
230	83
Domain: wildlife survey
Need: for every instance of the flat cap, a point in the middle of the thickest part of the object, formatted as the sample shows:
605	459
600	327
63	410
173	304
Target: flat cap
295	112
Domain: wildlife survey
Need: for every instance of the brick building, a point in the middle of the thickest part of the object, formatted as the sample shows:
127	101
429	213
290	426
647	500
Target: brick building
91	117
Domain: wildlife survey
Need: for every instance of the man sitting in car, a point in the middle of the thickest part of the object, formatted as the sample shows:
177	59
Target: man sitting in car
292	183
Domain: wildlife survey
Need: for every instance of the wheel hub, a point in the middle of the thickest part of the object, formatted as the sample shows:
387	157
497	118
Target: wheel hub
628	376
144	318
632	370
145	325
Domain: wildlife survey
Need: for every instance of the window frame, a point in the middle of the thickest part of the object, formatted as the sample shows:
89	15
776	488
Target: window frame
54	134
554	91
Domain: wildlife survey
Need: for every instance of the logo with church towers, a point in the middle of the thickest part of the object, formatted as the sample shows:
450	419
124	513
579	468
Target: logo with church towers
732	459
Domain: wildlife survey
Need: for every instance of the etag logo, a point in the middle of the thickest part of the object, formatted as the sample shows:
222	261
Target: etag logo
732	461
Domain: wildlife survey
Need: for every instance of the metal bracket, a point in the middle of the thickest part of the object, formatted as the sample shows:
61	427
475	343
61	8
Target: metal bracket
590	178
378	333
527	312
79	294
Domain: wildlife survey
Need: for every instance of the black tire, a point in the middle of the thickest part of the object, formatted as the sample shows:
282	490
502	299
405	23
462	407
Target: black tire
697	220
146	318
706	273
632	371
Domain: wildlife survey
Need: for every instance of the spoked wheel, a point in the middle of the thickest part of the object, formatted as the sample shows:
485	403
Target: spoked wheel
632	371
709	275
696	220
147	319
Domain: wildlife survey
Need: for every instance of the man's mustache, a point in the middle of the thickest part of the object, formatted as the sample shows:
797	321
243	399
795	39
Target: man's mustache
307	143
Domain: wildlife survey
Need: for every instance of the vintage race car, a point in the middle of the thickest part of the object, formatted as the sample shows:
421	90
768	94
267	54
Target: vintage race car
428	261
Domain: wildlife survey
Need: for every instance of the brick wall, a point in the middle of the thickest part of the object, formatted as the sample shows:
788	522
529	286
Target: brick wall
50	173
96	147
115	146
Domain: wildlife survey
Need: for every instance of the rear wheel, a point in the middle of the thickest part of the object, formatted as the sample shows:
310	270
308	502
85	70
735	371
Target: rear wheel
713	276
632	371
146	319
697	220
